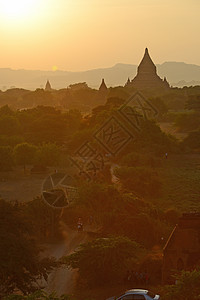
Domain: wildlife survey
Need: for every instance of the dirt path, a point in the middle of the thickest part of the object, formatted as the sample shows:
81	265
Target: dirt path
62	280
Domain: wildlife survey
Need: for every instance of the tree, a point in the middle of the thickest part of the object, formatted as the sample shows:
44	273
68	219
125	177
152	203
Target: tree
24	154
142	181
44	219
73	120
20	264
103	260
47	128
187	286
38	97
192	140
115	102
38	295
78	86
160	105
100	198
193	102
48	155
6	160
11	141
9	125
6	110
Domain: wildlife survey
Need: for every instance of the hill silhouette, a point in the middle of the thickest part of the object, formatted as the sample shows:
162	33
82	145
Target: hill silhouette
177	73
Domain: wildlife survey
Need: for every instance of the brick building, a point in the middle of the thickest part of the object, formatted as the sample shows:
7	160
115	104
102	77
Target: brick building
182	250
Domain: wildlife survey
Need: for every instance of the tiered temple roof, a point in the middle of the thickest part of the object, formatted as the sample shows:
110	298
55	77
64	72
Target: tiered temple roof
147	77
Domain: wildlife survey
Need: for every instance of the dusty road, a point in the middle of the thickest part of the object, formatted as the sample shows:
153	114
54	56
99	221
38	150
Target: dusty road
62	280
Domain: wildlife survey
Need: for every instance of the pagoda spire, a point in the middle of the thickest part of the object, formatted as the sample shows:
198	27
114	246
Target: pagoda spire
103	86
48	86
147	77
146	65
128	82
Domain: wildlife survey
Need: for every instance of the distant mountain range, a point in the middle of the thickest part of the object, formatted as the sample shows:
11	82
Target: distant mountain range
177	73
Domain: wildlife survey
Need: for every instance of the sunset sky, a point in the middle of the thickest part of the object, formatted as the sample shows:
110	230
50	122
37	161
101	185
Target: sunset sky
78	35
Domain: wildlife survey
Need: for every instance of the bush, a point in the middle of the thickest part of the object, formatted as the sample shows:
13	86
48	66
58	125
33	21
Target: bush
39	295
187	287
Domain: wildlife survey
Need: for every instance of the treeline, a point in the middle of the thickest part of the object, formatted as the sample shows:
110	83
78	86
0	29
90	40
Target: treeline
36	136
189	122
77	96
41	135
80	96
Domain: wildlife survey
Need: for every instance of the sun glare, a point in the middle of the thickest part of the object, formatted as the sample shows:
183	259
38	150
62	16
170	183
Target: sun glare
13	10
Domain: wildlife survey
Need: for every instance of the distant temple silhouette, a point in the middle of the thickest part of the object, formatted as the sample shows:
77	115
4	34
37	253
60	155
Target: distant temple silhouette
128	82
48	86
147	77
103	87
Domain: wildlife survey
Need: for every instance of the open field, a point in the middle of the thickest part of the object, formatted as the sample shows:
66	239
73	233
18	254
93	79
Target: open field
180	176
20	186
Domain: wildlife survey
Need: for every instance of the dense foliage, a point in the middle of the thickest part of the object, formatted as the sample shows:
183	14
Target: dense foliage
99	261
20	263
187	287
39	295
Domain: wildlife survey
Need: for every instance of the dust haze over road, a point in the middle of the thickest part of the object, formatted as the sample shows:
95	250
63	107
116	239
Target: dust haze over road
62	280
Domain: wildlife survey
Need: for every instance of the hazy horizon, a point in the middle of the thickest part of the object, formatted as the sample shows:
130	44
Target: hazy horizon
97	68
84	35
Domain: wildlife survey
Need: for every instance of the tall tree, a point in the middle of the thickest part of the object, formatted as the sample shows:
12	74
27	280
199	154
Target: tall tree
103	260
24	154
6	159
20	264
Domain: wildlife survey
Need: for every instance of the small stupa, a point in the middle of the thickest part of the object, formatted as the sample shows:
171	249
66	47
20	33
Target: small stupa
48	86
103	87
128	82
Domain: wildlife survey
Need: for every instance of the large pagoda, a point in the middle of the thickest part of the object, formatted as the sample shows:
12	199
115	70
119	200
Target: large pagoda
147	77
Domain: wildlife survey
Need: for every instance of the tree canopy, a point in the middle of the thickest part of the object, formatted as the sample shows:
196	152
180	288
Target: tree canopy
100	260
20	264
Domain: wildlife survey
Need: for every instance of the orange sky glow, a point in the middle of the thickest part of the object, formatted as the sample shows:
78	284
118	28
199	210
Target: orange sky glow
78	35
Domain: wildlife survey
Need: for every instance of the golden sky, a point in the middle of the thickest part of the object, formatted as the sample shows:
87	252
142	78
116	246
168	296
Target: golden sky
85	34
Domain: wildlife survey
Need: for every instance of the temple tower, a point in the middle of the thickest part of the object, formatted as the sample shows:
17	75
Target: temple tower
147	77
48	86
103	87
